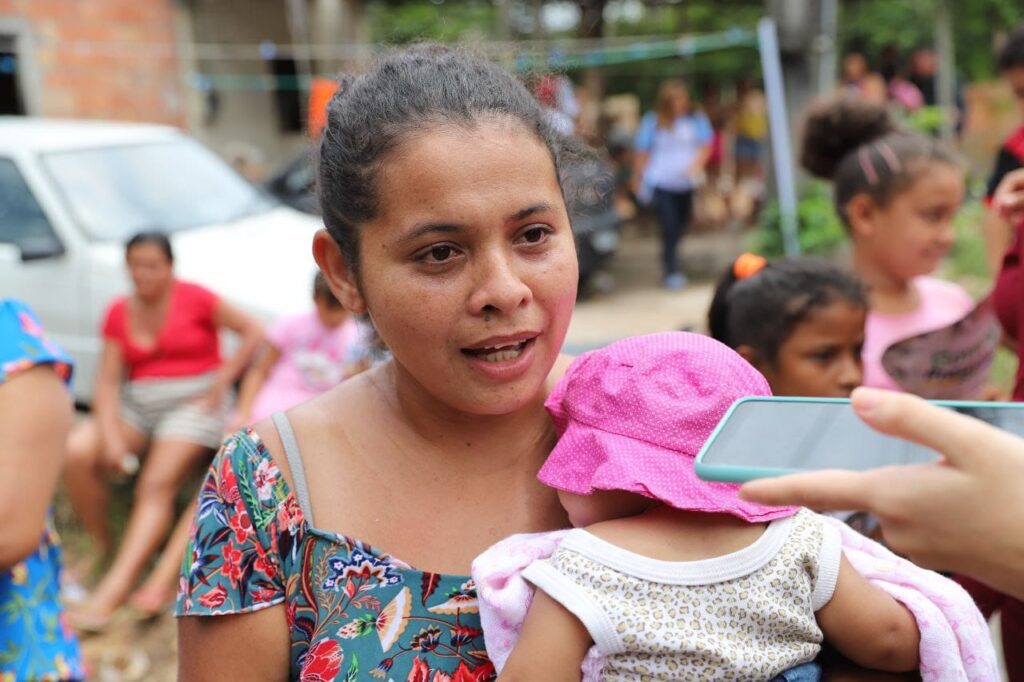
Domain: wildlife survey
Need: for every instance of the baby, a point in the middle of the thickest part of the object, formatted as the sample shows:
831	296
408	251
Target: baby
671	577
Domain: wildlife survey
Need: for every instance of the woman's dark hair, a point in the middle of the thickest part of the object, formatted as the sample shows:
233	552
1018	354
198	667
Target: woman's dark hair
1012	54
402	95
322	292
158	239
858	146
762	310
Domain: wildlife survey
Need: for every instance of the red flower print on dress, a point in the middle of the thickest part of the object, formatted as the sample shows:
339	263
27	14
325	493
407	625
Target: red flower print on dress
289	515
241	523
228	487
263	595
465	674
322	662
264	564
232	567
214	598
420	671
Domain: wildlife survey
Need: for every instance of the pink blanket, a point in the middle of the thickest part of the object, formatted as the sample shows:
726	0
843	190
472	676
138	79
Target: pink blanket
955	639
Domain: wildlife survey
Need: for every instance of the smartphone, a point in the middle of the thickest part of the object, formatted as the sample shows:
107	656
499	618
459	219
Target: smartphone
762	437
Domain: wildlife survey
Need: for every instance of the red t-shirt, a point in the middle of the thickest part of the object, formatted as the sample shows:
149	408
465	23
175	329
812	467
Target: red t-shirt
187	345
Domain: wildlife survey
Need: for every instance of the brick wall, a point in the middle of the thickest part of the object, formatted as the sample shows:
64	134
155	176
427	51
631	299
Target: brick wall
103	59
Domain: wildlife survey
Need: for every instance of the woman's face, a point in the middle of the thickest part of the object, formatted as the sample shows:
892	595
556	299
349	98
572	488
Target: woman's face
911	234
680	102
469	271
150	269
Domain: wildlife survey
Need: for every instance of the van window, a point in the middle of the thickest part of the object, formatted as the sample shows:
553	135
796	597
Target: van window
22	221
169	186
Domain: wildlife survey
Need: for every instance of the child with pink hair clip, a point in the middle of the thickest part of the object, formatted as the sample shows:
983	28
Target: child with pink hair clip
666	576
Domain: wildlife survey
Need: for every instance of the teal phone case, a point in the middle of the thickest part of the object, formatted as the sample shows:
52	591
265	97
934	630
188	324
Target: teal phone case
742	474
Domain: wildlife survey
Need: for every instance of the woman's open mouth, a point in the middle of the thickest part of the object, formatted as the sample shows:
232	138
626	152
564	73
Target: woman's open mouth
499	353
503	358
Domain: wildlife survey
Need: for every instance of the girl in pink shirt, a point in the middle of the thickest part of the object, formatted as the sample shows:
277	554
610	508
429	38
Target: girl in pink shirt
303	356
897	193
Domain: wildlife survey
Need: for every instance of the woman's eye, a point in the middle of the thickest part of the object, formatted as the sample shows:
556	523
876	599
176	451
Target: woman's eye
535	235
438	254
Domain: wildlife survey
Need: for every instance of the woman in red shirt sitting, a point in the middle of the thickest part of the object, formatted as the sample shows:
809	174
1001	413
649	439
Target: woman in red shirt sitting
162	389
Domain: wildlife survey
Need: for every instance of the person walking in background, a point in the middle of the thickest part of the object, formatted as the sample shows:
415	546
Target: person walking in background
673	145
162	389
751	129
35	416
302	356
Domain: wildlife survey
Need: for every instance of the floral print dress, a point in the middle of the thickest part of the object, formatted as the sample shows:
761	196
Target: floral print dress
354	613
36	642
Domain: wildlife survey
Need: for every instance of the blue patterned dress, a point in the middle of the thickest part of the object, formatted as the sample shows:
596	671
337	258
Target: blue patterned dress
36	642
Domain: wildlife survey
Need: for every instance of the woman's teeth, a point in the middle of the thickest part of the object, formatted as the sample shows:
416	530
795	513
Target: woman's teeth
500	354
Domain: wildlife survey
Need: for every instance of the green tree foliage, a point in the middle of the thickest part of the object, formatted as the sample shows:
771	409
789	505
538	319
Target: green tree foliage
871	25
820	232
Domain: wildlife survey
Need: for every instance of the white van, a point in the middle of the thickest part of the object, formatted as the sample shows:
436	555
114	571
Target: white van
72	193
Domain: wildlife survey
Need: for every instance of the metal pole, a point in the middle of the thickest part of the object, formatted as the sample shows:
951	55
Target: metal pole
778	124
944	52
827	46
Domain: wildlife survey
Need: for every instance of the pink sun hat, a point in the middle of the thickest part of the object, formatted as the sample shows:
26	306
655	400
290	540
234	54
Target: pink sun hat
633	416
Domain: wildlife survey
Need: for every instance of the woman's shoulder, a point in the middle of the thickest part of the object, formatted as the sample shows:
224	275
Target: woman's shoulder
247	466
193	292
315	421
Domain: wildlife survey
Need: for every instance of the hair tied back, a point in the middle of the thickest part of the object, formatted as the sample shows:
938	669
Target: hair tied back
748	265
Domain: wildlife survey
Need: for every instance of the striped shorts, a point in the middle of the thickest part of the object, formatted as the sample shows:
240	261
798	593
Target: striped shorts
163	409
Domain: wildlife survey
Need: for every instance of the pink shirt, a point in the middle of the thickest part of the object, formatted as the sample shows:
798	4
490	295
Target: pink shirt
942	304
313	359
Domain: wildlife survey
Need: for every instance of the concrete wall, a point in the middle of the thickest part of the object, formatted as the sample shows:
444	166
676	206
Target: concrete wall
226	35
104	59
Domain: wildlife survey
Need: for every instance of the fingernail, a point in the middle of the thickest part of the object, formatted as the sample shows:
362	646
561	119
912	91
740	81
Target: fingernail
865	400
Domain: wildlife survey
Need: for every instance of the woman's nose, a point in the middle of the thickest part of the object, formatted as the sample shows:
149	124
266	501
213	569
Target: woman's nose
499	286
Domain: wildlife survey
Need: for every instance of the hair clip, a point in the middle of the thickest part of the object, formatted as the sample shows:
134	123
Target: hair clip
748	265
865	165
891	160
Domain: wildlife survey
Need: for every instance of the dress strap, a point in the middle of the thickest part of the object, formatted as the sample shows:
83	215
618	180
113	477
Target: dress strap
291	451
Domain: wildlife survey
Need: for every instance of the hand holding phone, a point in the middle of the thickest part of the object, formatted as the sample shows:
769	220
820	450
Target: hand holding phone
963	515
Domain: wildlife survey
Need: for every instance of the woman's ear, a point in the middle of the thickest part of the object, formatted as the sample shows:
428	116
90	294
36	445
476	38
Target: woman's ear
861	214
336	271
